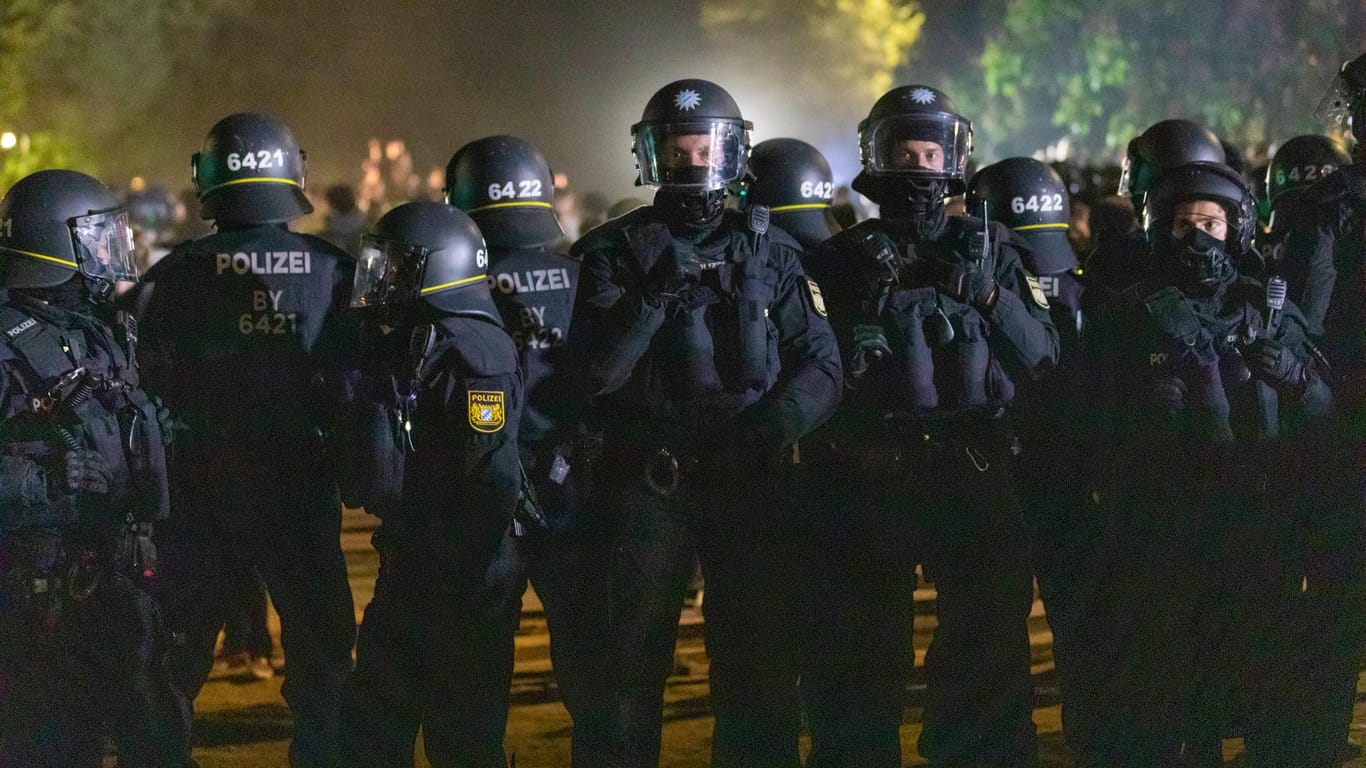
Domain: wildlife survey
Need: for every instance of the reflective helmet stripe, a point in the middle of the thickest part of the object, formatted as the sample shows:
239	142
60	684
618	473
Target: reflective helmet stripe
425	291
1063	225
254	180
798	207
530	204
63	262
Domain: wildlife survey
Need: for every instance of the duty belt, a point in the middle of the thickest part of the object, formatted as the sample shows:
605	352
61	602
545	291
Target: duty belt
979	435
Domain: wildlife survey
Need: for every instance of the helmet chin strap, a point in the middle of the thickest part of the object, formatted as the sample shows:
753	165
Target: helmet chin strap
687	211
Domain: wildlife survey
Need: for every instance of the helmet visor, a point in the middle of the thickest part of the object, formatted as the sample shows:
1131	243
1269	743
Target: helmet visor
702	155
388	272
104	246
1335	108
920	144
1126	177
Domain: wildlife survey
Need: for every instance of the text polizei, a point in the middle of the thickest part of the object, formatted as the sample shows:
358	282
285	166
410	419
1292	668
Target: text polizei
530	281
265	263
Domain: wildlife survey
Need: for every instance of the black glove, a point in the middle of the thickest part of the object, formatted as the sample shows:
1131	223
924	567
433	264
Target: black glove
85	471
870	341
877	257
970	284
757	440
1169	394
1271	362
677	272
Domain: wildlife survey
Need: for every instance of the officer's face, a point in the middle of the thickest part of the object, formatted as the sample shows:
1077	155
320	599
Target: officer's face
1204	215
914	153
690	150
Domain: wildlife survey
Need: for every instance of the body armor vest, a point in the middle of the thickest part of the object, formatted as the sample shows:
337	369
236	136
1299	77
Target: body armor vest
77	387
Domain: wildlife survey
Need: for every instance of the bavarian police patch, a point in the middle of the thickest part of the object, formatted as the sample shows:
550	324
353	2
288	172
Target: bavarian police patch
486	411
1036	291
817	300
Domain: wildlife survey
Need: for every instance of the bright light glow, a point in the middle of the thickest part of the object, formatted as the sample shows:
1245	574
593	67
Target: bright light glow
8	140
138	184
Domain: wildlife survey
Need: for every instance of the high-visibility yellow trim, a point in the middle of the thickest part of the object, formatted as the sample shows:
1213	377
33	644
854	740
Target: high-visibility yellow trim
798	207
530	204
452	285
253	180
63	262
1041	226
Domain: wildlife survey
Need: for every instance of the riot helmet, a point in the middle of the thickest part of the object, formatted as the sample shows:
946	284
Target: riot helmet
1031	198
1166	144
914	143
1300	162
55	224
1345	99
424	253
251	171
793	179
691	142
1199	219
505	185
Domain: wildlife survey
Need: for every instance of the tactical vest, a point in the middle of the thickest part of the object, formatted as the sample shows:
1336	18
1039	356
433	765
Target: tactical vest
1234	396
741	281
934	368
51	409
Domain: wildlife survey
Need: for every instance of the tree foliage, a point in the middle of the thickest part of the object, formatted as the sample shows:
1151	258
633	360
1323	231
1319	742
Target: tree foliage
1102	71
83	78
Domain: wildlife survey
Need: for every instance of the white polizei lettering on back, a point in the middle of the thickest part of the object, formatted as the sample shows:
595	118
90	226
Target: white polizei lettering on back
265	263
530	281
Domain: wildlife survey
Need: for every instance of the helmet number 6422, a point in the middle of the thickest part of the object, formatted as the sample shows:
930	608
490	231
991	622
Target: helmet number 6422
1036	203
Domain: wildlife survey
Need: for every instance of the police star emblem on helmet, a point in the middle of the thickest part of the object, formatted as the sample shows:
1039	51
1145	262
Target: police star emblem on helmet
922	96
687	99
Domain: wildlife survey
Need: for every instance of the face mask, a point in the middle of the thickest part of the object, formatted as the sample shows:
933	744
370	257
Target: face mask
918	202
690	210
1201	259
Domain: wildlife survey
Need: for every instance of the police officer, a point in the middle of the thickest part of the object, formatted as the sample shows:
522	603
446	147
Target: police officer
938	318
1117	264
793	180
1203	377
709	355
1031	199
236	327
1296	166
1328	242
505	185
436	643
82	478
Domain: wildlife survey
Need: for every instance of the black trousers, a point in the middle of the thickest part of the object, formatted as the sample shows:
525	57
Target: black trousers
100	668
1190	635
567	566
736	523
435	651
954	511
273	508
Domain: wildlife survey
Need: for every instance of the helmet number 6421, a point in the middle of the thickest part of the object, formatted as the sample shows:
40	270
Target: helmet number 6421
264	158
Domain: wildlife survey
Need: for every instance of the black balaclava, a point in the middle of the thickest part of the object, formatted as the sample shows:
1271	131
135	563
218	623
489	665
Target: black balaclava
72	295
911	205
1198	262
690	211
